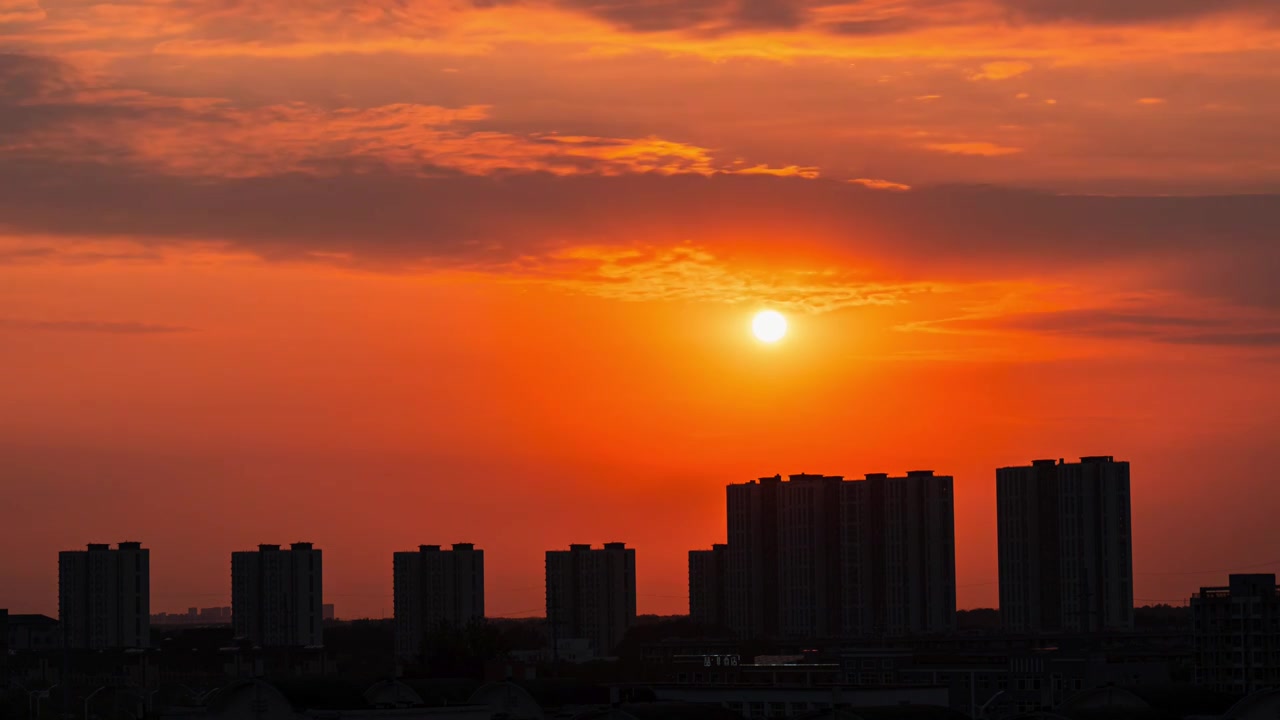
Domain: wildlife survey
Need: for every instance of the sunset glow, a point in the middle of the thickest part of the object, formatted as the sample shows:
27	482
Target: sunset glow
376	274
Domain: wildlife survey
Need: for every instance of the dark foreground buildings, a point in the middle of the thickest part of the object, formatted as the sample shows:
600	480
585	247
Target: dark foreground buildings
435	589
819	556
104	597
276	596
1065	545
709	586
1237	634
591	594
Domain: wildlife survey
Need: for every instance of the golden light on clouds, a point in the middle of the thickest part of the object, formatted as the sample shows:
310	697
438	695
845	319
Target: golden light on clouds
1002	70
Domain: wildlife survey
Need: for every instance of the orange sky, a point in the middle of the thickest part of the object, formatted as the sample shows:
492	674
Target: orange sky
387	272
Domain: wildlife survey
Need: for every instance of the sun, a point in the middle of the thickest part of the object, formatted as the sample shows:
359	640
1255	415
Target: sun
769	326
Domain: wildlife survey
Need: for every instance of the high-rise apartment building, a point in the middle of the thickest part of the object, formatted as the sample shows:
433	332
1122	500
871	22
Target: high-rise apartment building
591	594
104	596
821	556
1065	546
1237	635
709	586
276	596
898	554
752	519
809	557
436	588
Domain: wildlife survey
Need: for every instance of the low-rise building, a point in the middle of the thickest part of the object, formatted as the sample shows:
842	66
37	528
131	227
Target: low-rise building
1237	634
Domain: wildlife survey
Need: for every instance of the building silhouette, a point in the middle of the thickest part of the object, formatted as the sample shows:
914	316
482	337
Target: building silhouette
708	586
591	594
1065	546
752	519
104	597
899	554
435	589
276	595
821	556
810	596
1237	634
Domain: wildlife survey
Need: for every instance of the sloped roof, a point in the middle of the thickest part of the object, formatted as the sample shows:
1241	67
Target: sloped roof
32	619
1264	704
508	699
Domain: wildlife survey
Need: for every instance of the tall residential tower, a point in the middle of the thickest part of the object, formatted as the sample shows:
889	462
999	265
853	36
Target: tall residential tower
436	589
709	586
819	556
591	594
276	596
1066	546
104	597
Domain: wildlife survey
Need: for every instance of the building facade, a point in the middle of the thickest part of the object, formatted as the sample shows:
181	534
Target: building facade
752	520
591	594
810	596
1065	546
435	589
709	586
104	597
1237	634
898	555
276	595
819	556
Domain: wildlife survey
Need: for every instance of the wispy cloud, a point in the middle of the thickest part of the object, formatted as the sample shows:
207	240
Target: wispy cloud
210	137
93	326
1121	322
880	184
979	148
1002	70
692	273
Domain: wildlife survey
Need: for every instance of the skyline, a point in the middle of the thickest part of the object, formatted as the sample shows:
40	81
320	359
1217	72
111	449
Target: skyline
382	272
329	597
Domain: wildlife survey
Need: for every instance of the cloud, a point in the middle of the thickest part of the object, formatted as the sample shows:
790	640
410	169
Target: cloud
26	76
1101	322
1212	246
413	185
49	115
878	184
1002	70
706	15
1131	11
713	28
1124	322
93	326
983	149
20	11
692	273
1240	339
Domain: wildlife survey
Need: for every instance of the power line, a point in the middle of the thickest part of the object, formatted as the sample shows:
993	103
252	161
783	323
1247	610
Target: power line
1269	564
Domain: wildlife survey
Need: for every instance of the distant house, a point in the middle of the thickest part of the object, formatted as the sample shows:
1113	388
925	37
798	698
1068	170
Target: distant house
33	633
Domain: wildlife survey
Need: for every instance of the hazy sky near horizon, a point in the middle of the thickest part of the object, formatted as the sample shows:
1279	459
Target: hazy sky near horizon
381	273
